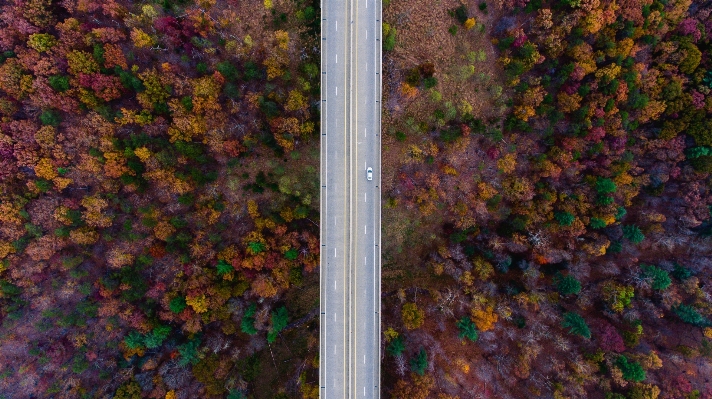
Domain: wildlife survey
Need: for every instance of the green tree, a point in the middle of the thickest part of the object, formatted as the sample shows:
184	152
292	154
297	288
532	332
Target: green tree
189	352
177	304
224	267
564	218
597	223
681	273
248	320
134	340
50	117
228	71
605	186
397	346
660	278
567	285
576	325
633	234
467	329
292	254
632	371
157	336
59	83
420	362
280	317
256	247
690	315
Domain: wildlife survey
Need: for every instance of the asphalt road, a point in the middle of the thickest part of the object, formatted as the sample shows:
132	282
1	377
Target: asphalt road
350	204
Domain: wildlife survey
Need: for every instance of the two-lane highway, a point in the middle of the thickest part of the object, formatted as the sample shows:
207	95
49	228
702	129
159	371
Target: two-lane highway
350	203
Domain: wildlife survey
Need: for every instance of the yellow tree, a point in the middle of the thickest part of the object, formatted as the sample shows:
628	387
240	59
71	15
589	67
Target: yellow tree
412	316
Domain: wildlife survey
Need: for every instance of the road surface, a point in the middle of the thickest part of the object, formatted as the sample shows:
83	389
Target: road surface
350	204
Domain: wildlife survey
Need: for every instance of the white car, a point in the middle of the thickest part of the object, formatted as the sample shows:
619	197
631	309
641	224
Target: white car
369	174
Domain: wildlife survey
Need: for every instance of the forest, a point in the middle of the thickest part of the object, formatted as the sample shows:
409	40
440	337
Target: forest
547	225
548	163
159	199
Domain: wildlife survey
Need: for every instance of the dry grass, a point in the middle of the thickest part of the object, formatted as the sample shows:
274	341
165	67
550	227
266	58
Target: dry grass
422	36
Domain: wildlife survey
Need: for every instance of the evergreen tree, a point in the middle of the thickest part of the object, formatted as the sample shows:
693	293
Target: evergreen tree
248	320
632	371
567	285
280	318
177	304
396	347
467	329
189	352
564	218
576	325
224	267
633	234
690	315
420	362
660	278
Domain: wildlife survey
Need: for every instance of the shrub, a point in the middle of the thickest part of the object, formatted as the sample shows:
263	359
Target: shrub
576	325
389	37
461	14
420	362
567	285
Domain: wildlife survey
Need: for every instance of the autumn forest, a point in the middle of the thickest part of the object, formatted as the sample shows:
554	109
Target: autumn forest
547	227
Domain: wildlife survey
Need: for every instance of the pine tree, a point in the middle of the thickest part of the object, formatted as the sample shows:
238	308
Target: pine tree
632	371
564	218
280	317
177	304
660	278
189	352
690	315
576	324
467	329
248	320
567	285
396	347
633	234
420	362
224	267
